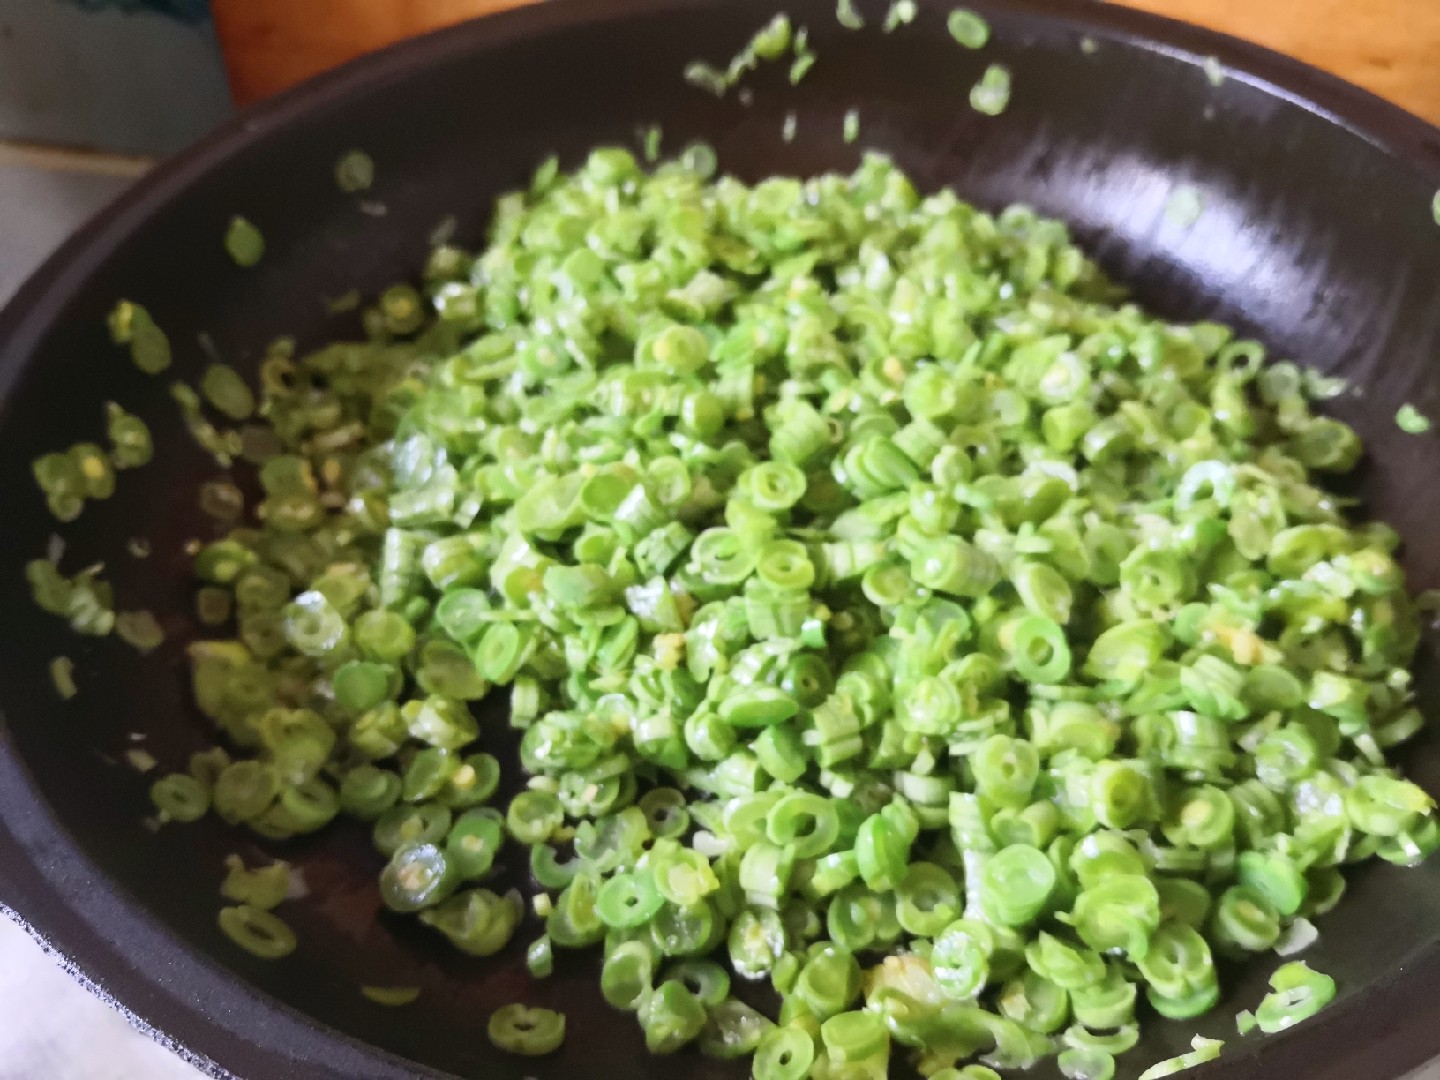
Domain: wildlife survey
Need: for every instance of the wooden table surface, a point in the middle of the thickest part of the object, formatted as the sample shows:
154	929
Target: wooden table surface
1389	46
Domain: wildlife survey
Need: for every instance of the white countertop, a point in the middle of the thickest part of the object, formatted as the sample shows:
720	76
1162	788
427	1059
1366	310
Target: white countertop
54	1030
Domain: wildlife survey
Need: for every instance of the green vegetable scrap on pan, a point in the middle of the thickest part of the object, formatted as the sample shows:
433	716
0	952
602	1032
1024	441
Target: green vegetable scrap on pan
1204	1050
968	28
848	15
1322	387
84	472
355	172
244	243
1411	420
890	612
391	996
991	95
900	13
522	1030
264	888
131	324
1297	993
62	676
770	44
139	629
257	931
85	601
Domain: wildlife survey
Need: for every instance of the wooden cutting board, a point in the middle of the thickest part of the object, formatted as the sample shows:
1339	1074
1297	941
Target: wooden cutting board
1389	46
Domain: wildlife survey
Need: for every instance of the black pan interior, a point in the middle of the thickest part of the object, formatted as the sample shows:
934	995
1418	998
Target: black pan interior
1315	235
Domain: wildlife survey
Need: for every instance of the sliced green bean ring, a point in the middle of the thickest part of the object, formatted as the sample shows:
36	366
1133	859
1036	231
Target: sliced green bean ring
519	1029
664	810
549	871
1016	885
476	921
707	980
808	822
417	876
180	797
628	900
257	931
784	1053
473	843
427	823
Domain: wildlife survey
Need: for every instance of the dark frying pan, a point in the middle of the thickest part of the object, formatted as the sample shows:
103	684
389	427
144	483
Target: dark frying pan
1316	235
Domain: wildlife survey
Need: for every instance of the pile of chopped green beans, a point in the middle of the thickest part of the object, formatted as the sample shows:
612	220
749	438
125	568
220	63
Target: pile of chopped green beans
892	614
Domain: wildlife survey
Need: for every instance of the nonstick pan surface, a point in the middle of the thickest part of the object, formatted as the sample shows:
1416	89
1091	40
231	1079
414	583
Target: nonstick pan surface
1316	235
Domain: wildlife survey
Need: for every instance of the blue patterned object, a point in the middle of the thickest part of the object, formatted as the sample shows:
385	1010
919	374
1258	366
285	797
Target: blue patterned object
187	10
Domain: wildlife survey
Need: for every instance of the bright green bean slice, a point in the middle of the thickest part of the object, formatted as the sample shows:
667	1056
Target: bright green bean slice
244	243
518	1029
257	932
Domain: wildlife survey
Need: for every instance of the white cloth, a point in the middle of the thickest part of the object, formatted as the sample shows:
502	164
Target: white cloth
51	1028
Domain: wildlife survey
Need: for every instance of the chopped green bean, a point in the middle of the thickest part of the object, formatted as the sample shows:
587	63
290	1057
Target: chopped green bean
257	932
849	16
263	888
705	77
224	447
244	243
540	957
770	43
1204	1050
968	28
518	1029
131	324
991	95
226	392
393	997
900	13
139	629
85	601
477	921
1411	420
62	677
130	438
1086	1064
804	58
1297	993
180	797
355	172
784	1053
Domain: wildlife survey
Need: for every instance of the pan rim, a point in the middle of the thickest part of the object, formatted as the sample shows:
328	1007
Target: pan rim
44	874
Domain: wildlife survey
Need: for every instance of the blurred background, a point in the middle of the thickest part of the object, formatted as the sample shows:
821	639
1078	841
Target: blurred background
94	92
